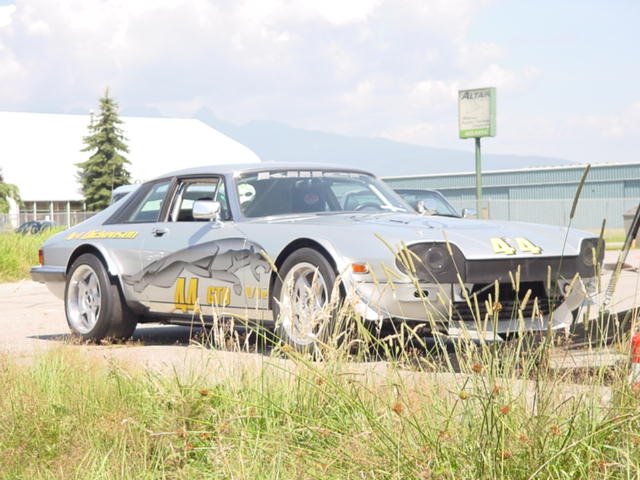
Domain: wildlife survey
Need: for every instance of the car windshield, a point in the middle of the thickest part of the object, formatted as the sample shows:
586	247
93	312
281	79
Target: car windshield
286	192
434	202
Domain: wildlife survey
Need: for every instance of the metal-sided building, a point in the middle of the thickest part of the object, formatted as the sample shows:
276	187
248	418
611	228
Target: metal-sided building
542	195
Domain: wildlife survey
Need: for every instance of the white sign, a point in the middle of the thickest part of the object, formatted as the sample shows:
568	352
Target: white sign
477	113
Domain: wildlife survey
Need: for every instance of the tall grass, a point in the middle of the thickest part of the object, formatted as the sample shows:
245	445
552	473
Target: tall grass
18	253
376	407
505	416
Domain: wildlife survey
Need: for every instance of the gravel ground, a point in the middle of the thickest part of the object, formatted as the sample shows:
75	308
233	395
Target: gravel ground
33	321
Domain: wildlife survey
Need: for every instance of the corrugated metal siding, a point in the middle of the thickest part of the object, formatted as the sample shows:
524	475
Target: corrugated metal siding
543	195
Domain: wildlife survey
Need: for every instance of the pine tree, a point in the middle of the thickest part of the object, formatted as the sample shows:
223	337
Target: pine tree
7	191
106	168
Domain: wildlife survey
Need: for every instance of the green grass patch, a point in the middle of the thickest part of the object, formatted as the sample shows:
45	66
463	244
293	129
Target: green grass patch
18	253
68	417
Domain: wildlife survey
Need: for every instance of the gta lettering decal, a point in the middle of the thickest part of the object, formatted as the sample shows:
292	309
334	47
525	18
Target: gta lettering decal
218	296
97	234
219	260
186	297
501	246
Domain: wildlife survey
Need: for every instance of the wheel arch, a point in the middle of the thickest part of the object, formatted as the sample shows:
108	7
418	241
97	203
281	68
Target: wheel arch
101	254
323	248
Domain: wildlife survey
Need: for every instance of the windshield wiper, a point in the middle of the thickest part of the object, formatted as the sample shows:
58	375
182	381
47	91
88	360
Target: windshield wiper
438	214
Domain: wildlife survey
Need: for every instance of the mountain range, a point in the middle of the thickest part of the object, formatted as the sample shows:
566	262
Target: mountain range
275	141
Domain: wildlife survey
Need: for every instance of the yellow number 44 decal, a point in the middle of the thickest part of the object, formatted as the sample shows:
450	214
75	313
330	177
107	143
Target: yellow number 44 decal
501	246
526	246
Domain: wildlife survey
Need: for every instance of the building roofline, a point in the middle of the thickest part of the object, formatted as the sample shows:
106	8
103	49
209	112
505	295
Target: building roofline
511	170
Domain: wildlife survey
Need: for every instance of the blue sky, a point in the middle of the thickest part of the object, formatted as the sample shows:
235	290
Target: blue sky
585	49
566	72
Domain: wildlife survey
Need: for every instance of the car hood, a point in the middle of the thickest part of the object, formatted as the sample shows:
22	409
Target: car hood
473	237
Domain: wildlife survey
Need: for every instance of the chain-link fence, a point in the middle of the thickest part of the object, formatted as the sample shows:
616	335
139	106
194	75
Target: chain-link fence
10	222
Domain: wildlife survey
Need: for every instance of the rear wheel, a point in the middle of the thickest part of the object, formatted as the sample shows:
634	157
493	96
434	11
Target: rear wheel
303	304
94	306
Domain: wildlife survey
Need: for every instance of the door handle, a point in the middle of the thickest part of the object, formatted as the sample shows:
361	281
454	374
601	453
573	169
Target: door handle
158	232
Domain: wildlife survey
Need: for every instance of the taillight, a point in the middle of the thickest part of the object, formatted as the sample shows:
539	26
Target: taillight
41	257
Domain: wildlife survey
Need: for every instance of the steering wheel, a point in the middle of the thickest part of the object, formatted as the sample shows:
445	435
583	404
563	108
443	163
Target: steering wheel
362	206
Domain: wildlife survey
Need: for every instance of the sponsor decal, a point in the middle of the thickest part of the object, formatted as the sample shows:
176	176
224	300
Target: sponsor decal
186	295
185	299
503	247
98	234
219	296
304	174
256	292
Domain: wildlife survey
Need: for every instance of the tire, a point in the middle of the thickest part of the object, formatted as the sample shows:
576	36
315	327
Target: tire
308	269
94	307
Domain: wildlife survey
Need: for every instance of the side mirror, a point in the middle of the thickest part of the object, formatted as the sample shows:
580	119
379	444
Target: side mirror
205	210
469	213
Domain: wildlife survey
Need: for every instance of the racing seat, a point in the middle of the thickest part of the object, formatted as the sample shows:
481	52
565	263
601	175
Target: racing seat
308	197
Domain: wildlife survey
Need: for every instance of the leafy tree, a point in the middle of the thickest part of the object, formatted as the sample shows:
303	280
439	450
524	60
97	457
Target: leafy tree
7	191
106	168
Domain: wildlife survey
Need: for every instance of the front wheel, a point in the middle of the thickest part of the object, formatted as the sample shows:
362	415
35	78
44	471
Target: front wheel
304	304
93	305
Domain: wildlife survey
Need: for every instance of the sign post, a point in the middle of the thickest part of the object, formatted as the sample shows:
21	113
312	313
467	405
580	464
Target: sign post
476	119
478	177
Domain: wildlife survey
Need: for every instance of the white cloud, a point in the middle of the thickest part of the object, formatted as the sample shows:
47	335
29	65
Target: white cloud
434	95
368	67
496	76
340	12
6	14
612	126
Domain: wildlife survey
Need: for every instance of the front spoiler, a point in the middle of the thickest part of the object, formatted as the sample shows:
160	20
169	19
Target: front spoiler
399	302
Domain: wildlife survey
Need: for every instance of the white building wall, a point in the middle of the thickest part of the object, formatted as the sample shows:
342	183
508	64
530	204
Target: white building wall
39	152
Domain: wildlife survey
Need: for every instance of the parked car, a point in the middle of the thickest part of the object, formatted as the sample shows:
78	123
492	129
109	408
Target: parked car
35	226
274	243
427	201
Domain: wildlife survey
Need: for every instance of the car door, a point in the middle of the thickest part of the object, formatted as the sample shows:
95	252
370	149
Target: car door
190	263
123	233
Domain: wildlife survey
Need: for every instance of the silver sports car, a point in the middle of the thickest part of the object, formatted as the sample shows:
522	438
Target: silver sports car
278	244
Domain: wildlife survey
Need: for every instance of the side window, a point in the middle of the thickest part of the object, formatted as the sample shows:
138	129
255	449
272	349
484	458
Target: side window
149	208
192	190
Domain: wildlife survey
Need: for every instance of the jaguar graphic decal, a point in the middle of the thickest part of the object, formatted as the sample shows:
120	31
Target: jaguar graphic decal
218	260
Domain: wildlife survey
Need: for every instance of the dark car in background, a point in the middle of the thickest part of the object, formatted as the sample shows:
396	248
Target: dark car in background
35	226
430	201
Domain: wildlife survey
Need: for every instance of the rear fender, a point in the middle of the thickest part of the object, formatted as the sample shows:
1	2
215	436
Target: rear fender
101	252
